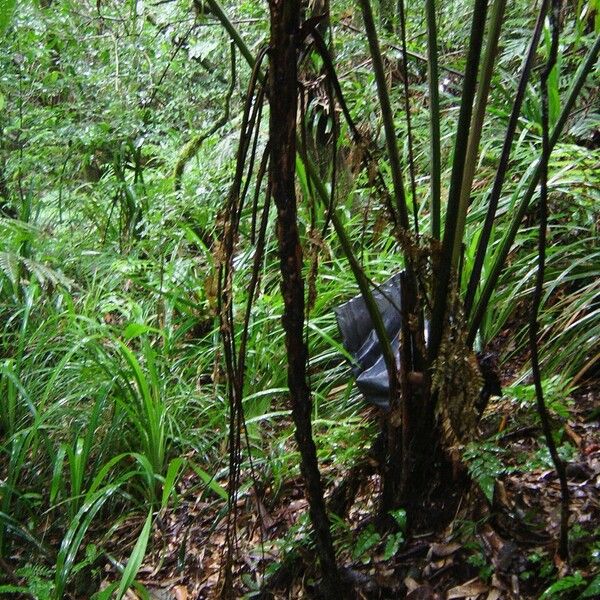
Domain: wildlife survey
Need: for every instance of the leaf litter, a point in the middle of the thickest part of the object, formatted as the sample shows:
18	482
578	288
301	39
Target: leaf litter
502	549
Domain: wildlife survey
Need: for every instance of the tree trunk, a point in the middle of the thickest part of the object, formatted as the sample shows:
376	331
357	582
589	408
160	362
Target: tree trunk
285	20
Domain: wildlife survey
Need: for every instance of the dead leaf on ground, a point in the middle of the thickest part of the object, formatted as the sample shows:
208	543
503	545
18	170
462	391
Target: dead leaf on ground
423	592
443	550
180	592
470	589
494	594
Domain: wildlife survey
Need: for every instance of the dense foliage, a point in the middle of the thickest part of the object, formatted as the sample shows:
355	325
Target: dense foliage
119	127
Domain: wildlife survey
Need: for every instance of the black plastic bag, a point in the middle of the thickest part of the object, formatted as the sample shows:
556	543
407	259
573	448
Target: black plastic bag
360	339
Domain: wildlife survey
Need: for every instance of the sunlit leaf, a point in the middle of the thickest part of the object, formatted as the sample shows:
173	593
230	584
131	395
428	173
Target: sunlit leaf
7	8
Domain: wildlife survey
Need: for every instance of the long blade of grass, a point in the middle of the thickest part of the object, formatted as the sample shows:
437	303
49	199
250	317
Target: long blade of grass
211	482
173	471
7	8
74	536
151	415
137	556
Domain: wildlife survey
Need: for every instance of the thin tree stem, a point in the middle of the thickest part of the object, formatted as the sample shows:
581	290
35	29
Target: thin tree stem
283	83
411	160
485	79
386	114
435	161
559	465
442	284
511	128
509	237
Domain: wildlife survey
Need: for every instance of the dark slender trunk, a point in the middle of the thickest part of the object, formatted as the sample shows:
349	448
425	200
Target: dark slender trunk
559	465
282	130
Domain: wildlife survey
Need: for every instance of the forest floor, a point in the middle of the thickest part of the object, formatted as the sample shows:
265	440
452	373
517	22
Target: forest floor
490	550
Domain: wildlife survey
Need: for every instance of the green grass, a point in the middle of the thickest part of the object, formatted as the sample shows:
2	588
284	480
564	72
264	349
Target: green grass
111	374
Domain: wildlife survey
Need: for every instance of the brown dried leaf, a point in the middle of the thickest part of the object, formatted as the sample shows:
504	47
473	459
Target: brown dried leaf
180	592
470	589
443	550
423	592
410	584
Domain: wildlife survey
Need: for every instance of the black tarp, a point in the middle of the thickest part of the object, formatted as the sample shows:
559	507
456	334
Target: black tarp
360	339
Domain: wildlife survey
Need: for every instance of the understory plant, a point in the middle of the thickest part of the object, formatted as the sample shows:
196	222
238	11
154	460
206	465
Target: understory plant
150	210
435	390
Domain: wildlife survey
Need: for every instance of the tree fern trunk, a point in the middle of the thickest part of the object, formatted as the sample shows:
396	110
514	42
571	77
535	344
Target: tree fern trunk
282	128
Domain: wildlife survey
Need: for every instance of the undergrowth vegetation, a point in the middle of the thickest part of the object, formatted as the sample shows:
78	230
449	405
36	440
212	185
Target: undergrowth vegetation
112	377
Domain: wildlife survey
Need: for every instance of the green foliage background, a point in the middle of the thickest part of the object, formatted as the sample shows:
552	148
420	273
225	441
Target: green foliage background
111	378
